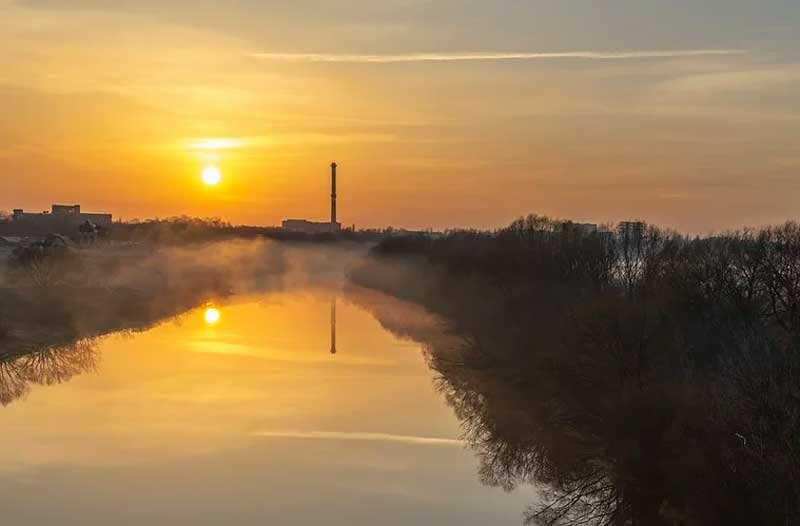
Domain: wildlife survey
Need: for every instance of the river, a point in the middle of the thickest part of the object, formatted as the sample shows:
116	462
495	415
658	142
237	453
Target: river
238	413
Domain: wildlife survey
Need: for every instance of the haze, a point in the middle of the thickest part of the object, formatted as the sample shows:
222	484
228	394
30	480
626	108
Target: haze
441	114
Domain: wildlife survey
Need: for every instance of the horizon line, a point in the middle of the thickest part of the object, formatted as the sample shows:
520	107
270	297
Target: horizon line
355	58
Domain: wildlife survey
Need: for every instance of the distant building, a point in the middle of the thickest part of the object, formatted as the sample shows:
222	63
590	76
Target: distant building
60	218
62	210
584	229
606	235
405	232
631	232
310	227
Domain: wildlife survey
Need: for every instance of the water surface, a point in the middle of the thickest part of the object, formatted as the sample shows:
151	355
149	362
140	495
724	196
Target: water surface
241	414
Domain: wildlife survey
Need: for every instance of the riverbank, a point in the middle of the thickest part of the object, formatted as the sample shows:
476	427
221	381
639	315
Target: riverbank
647	383
33	317
97	291
131	287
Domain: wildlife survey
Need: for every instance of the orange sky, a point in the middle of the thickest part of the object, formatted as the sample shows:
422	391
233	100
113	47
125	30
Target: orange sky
682	115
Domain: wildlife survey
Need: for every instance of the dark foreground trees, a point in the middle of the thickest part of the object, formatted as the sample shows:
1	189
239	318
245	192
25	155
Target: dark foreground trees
645	381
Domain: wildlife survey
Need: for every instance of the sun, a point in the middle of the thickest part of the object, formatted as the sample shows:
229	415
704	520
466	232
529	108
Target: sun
211	175
212	316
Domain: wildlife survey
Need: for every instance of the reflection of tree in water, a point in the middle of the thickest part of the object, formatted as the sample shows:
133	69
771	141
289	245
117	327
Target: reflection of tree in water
520	438
594	453
45	366
55	365
13	384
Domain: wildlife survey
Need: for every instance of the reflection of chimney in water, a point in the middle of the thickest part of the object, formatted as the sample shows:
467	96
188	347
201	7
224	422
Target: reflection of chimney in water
333	326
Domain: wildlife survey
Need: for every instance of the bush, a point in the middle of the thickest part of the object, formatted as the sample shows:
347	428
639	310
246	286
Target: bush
45	263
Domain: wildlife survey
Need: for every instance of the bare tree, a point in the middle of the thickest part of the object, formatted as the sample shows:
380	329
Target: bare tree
12	381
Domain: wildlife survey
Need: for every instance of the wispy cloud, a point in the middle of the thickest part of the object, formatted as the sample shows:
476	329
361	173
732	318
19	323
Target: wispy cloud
452	57
735	81
211	144
365	437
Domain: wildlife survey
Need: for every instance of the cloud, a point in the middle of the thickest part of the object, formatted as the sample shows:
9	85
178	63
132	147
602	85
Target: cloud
366	437
214	144
735	81
453	57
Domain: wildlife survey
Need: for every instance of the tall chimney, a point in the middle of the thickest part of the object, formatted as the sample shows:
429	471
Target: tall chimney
333	197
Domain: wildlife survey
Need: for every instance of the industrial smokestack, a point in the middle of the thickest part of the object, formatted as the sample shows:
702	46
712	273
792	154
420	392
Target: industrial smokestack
333	198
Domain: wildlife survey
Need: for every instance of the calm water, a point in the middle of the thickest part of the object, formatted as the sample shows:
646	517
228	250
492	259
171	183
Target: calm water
241	415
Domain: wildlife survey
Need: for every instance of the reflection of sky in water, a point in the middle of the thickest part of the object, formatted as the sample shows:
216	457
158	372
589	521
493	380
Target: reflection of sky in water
244	417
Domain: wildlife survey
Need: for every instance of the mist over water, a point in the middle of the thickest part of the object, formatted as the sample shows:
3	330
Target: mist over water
85	294
247	418
241	265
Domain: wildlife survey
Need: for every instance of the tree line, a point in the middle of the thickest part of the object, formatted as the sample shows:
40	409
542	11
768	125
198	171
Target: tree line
641	377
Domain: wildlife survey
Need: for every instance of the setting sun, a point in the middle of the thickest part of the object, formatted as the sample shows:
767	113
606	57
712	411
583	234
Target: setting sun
212	316
211	175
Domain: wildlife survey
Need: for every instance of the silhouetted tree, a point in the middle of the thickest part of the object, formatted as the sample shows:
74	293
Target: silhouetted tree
642	381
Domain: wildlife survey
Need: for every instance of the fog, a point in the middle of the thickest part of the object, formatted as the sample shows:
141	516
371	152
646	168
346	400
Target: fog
237	266
57	298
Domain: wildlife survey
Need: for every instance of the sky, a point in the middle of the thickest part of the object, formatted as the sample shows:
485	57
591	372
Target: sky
449	113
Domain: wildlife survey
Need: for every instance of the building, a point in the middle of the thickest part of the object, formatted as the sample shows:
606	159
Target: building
309	227
312	227
60	218
631	232
586	229
582	229
391	231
